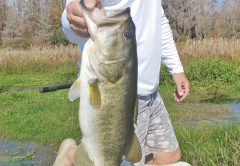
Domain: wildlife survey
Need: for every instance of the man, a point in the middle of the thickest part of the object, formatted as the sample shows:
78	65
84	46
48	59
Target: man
155	45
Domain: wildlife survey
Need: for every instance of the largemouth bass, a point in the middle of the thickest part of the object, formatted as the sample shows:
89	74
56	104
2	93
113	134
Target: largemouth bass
107	88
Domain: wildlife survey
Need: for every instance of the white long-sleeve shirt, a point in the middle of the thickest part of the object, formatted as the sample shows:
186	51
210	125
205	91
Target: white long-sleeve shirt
155	44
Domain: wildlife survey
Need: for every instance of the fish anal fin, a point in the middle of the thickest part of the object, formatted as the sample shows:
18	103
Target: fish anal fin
135	113
81	157
74	91
94	94
134	154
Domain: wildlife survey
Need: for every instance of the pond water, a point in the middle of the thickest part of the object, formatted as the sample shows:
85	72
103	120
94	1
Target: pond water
211	114
236	107
234	117
15	153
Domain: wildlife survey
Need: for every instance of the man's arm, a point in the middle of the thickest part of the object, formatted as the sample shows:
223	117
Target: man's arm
171	60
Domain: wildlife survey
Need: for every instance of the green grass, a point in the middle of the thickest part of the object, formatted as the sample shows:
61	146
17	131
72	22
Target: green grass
46	118
42	117
45	77
49	118
210	145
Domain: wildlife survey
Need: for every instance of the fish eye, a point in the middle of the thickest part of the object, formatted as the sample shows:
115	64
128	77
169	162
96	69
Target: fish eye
127	35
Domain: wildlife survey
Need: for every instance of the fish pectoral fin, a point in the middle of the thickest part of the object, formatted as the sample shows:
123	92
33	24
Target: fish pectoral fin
94	94
74	91
134	154
81	157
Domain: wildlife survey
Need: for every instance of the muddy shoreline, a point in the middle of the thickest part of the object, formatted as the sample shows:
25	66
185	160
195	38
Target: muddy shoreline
17	153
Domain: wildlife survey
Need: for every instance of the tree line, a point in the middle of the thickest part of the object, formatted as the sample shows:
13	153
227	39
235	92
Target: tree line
31	22
37	22
203	18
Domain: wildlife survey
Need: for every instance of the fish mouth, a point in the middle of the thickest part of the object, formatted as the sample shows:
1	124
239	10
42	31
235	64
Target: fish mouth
101	16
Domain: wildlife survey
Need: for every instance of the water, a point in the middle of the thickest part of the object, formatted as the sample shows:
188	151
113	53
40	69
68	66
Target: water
235	106
233	115
231	118
16	153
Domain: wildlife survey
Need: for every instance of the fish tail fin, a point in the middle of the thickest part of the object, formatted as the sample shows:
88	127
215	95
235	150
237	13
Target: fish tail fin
135	153
81	156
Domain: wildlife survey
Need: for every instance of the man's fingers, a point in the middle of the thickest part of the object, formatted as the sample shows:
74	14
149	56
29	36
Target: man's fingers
182	86
74	8
90	4
182	92
78	25
75	18
183	97
83	32
176	97
77	21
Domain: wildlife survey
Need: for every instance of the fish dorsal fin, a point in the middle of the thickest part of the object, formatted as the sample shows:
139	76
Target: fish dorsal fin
74	91
134	154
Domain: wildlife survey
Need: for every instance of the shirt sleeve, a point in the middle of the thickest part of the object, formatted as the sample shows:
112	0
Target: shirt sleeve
72	37
169	53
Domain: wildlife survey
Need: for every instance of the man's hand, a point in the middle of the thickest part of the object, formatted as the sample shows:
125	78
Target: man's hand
182	86
75	17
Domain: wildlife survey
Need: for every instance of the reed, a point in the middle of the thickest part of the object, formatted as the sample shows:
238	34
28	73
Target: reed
212	47
189	50
37	59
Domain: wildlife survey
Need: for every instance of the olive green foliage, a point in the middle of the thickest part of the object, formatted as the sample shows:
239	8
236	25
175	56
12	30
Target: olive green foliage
208	72
165	76
211	70
58	38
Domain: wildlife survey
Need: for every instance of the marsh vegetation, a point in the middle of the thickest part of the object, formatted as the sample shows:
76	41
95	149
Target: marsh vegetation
27	115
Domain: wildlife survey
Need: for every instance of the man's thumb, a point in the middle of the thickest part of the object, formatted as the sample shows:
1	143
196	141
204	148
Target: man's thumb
90	4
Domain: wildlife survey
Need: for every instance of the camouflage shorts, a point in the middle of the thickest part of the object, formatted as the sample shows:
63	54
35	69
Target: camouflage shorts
154	128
